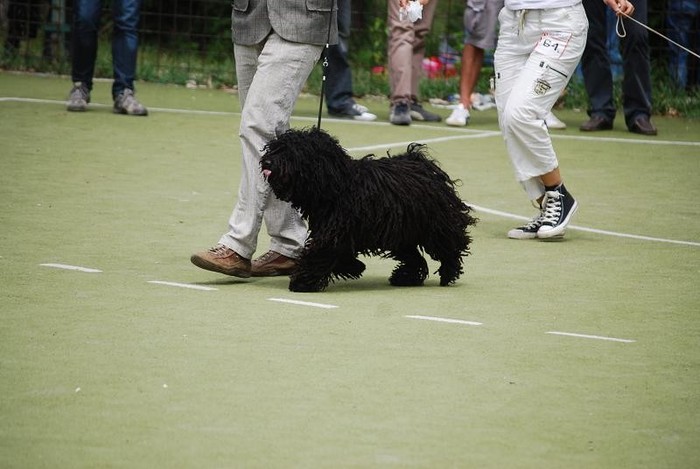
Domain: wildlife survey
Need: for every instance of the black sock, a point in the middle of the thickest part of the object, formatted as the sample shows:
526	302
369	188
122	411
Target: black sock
559	188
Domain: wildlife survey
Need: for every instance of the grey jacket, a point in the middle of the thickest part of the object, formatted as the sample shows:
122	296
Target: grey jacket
304	21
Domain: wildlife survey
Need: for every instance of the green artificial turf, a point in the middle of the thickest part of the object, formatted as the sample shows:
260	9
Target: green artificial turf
108	369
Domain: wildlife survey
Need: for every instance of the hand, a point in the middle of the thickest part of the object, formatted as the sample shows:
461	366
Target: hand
620	7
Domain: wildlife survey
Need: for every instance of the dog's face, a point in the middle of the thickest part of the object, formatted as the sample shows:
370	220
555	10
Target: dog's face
273	167
304	167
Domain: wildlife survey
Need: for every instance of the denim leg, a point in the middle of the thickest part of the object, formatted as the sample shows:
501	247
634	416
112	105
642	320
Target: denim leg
125	42
338	74
681	14
636	82
595	63
86	22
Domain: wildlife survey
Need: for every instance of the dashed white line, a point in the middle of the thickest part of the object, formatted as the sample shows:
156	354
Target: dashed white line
587	336
303	303
72	267
182	285
452	321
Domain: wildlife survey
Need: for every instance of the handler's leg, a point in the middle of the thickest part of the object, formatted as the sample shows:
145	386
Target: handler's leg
281	70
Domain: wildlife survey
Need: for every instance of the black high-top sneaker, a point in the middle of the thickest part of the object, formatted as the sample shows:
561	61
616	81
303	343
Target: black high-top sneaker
558	206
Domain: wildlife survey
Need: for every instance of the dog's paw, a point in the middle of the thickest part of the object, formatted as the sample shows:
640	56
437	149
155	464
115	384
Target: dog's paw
405	278
304	287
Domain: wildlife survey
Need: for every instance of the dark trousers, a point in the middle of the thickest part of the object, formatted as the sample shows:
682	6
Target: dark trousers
595	64
338	74
86	23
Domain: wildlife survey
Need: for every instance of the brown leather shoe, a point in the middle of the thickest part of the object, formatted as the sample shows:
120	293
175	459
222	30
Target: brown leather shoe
223	260
642	125
596	123
273	264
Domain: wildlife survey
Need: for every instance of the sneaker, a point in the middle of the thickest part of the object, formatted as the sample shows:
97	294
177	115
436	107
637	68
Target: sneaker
126	103
356	112
222	259
528	230
459	116
79	98
557	209
553	122
400	114
420	114
273	264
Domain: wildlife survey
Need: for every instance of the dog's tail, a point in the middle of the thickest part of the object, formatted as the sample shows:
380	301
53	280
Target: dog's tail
418	153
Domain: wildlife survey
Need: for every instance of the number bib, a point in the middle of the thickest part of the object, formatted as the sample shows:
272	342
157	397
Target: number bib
553	44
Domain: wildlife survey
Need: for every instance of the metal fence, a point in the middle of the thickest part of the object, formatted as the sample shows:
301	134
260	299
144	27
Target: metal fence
189	40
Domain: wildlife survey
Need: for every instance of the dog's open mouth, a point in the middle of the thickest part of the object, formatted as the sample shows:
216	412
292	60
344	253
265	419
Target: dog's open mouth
266	173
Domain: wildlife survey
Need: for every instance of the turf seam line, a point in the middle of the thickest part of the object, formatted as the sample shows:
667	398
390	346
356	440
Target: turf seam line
448	320
72	267
588	336
303	303
182	285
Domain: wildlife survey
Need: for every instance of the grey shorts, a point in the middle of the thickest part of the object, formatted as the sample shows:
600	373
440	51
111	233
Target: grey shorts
481	23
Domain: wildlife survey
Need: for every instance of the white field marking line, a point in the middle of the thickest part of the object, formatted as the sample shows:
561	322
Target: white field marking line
628	140
159	109
427	141
596	337
182	285
451	321
464	133
303	303
72	267
590	230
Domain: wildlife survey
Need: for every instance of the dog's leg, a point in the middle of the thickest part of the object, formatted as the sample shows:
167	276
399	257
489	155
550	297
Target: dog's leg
349	267
313	273
412	269
449	255
450	269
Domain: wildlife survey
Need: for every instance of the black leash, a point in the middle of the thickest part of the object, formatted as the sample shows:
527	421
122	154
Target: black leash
325	66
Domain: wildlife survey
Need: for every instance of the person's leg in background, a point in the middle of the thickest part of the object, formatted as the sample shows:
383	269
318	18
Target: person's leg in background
636	81
595	66
125	43
421	30
86	22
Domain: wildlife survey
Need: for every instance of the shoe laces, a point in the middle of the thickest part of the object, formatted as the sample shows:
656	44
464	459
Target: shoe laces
79	91
127	100
552	207
220	250
533	224
268	256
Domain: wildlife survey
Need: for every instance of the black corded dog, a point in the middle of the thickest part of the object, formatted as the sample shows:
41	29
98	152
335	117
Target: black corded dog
396	207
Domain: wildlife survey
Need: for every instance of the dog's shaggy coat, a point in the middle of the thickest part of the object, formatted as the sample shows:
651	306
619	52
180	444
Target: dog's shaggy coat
395	207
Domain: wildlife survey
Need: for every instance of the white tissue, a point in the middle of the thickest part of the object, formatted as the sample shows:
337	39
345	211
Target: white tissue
414	12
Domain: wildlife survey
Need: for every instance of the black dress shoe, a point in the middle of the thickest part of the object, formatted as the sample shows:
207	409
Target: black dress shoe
642	125
596	123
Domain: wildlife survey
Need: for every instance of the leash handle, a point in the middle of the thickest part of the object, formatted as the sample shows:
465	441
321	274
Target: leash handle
655	32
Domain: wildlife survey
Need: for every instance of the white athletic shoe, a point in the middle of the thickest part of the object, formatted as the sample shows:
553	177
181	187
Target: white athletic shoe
459	116
553	122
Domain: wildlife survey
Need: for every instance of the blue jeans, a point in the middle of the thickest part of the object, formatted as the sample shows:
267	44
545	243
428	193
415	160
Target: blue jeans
681	15
86	23
338	73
